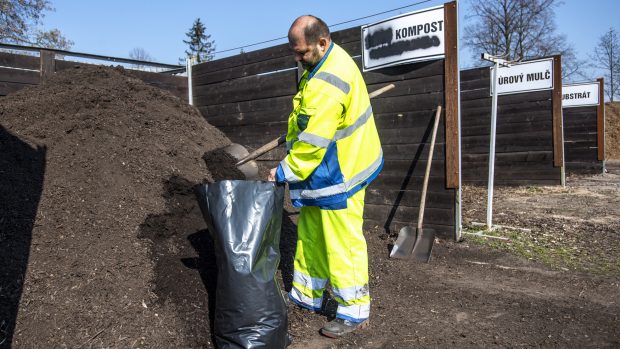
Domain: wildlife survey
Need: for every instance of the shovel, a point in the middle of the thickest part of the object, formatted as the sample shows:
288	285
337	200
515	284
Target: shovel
415	242
246	163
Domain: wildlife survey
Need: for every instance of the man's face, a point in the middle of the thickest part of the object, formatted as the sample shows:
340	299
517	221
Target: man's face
307	55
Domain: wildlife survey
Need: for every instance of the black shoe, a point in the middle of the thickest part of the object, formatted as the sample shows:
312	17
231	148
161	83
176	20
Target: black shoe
339	327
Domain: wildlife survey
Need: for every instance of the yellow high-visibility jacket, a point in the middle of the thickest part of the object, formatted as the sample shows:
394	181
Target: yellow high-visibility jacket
332	141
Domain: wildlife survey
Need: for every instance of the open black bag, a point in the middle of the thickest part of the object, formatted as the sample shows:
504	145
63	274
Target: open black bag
245	219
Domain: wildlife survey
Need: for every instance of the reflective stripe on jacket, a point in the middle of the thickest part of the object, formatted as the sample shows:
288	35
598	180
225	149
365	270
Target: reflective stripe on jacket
332	141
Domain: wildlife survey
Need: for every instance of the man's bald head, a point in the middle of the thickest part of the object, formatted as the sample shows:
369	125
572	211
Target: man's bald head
309	40
310	28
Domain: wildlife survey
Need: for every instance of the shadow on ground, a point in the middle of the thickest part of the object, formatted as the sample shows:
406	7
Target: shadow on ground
22	169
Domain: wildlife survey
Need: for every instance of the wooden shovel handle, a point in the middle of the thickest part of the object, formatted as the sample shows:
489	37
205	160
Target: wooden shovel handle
380	91
262	150
276	142
428	169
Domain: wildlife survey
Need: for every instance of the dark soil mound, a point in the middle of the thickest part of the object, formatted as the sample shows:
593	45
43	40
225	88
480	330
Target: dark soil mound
88	157
612	130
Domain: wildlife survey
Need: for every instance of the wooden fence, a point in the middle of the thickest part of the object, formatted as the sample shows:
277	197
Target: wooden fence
584	137
249	97
18	71
528	138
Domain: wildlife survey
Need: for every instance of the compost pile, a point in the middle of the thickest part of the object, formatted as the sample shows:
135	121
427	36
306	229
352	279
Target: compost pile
612	130
98	172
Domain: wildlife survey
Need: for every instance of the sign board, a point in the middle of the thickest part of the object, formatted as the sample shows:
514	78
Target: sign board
411	37
524	77
580	95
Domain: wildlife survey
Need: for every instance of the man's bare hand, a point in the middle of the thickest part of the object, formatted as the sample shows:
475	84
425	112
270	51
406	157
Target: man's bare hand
272	174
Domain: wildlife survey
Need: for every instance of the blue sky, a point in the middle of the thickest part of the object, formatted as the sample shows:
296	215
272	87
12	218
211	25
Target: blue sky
115	27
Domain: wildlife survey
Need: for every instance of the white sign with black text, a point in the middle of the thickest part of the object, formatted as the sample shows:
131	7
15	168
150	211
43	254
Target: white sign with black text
524	77
411	37
580	95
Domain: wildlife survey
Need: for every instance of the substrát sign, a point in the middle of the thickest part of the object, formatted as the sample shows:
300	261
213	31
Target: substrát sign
580	95
411	37
524	77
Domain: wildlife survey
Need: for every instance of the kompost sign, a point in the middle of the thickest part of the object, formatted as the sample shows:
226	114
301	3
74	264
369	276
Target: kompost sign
411	37
524	77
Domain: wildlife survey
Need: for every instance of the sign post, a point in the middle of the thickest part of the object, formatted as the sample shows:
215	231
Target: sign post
494	81
508	78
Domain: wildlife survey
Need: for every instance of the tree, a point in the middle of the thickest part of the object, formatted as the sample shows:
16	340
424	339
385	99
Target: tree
52	39
18	17
519	29
607	57
199	42
19	20
140	54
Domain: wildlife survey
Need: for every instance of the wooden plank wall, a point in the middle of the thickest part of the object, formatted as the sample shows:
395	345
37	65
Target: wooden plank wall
524	139
581	140
29	74
248	96
12	80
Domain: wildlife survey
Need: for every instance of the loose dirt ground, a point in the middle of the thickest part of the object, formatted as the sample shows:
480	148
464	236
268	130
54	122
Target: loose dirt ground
103	245
575	227
612	130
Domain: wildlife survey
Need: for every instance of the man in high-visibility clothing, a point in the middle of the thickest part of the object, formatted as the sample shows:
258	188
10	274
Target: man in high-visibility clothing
334	152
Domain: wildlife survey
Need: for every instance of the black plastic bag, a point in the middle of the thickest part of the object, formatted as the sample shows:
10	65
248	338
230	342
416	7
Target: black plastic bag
245	219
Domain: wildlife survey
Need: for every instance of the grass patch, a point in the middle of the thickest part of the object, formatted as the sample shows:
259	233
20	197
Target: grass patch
533	190
558	252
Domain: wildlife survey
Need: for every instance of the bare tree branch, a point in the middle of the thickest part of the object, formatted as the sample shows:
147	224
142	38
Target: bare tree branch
518	29
607	57
140	54
51	39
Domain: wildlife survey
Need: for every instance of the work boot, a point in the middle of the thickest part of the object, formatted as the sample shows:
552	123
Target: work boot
339	327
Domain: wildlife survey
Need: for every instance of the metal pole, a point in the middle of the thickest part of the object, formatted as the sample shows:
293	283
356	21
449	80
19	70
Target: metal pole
563	169
89	56
492	149
190	95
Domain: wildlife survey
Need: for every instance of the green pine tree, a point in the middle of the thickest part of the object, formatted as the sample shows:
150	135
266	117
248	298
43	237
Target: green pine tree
199	42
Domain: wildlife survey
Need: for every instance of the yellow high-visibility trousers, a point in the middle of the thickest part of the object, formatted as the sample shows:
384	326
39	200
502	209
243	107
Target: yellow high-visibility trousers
331	248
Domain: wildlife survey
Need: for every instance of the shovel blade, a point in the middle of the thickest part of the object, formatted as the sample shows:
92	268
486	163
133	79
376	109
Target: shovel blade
413	243
403	247
423	246
250	168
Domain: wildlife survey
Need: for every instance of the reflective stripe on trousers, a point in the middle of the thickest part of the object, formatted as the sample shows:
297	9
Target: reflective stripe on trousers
331	247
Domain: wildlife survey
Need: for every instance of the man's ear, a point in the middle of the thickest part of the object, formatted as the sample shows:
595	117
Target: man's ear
323	44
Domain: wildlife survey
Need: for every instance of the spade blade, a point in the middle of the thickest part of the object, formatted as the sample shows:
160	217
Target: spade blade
403	247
